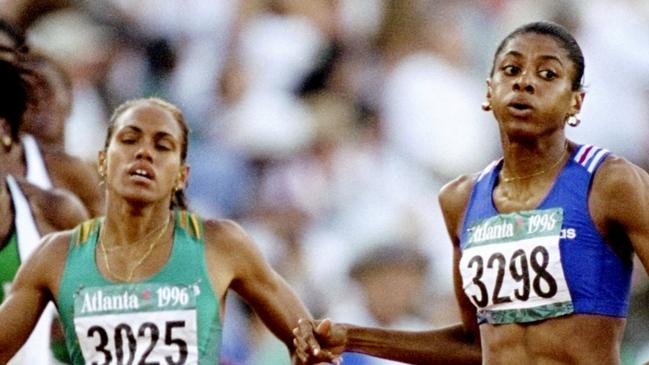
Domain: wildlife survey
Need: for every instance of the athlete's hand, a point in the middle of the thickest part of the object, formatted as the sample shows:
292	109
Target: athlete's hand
319	341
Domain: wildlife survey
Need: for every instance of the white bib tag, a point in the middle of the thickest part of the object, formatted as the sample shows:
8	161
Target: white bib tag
137	324
511	267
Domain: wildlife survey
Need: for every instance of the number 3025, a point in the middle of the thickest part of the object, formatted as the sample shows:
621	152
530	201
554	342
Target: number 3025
125	352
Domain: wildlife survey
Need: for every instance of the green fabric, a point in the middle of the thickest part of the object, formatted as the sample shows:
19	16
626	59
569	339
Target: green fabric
60	352
185	266
511	227
525	314
9	263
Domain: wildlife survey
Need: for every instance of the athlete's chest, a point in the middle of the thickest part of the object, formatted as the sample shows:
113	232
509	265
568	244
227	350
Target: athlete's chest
511	266
138	323
509	198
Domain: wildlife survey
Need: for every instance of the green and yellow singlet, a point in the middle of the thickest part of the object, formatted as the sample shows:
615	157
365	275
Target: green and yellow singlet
169	318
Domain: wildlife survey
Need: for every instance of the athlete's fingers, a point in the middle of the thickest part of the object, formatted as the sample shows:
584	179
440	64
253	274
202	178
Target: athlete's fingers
298	339
300	353
304	333
324	327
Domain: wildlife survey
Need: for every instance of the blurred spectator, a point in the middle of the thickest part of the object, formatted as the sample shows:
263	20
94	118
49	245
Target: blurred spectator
430	102
45	166
24	13
12	41
324	126
50	100
83	48
390	291
620	97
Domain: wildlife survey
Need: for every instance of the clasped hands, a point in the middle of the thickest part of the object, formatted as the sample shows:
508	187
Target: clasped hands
319	341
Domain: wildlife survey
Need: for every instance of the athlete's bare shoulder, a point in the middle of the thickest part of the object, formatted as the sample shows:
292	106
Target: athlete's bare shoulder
57	244
453	200
457	191
54	209
618	174
77	176
223	232
620	193
227	240
232	256
47	263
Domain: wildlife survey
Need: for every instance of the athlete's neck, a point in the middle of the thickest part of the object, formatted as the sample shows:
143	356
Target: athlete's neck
6	212
528	162
129	225
12	162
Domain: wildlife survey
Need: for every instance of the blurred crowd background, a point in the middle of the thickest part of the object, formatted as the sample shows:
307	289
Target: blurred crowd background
327	127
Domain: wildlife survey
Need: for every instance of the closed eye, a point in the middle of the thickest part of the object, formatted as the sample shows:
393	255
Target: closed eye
164	143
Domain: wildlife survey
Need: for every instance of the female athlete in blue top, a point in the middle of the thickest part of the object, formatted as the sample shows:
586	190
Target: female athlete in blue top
543	238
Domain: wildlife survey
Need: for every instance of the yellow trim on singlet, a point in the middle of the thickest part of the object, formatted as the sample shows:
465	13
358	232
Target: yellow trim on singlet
85	229
186	221
183	219
196	227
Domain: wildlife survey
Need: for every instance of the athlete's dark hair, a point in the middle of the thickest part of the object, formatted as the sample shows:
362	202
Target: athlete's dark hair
16	34
13	96
561	36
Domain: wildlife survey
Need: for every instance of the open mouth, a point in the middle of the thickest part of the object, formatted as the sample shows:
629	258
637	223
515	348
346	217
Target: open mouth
520	106
141	173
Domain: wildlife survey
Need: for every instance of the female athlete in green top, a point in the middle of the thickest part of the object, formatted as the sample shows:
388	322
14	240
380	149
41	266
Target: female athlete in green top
135	303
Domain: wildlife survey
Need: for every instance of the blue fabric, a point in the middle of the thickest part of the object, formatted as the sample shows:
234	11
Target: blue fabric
598	279
356	359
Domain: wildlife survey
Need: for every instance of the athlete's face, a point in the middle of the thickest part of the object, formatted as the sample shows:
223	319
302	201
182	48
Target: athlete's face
51	103
530	91
143	159
7	47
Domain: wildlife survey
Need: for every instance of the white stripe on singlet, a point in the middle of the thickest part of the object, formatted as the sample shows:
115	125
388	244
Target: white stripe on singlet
37	348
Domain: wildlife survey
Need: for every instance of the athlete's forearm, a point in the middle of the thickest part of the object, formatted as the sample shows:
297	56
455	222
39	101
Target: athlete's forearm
18	315
450	345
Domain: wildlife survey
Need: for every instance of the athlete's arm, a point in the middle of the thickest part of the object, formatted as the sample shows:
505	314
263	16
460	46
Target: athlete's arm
458	344
453	200
71	173
449	345
620	199
64	210
261	287
54	210
30	293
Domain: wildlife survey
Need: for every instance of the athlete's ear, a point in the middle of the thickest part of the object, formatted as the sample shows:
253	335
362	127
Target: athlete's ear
486	105
183	175
101	164
489	90
577	101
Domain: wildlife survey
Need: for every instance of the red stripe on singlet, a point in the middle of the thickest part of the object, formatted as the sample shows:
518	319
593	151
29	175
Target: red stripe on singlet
583	157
